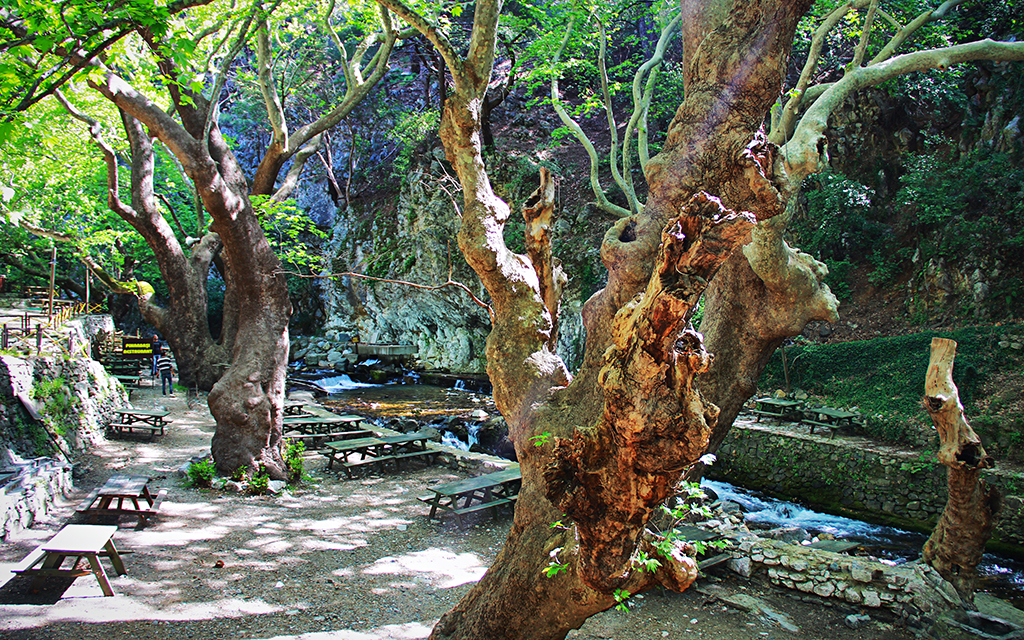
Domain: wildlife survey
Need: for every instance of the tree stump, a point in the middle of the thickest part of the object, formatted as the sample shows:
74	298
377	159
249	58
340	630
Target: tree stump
958	541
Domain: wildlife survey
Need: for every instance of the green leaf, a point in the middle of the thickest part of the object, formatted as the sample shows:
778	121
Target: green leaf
43	43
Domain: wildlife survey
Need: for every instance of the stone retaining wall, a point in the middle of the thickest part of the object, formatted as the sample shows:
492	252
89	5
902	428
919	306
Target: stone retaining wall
856	477
913	591
30	492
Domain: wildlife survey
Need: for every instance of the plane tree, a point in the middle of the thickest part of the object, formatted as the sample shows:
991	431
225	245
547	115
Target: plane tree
163	76
600	451
768	291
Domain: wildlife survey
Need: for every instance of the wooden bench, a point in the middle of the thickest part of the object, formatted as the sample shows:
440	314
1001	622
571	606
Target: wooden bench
412	455
317	440
121	428
475	494
831	427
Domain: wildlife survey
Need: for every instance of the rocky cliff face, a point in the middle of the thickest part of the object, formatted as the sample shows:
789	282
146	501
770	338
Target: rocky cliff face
937	259
408	245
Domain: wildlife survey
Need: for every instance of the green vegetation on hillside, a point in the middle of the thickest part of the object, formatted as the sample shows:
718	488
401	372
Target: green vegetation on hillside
884	379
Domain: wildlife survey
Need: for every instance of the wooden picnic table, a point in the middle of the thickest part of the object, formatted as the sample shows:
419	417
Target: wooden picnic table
123	494
87	541
357	452
151	421
322	424
295	408
319	441
475	494
832	419
777	408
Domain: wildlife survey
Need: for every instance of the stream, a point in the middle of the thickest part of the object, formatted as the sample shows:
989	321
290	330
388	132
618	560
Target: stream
1001	576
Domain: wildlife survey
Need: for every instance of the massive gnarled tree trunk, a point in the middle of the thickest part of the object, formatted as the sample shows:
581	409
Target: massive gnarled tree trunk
247	400
766	292
958	541
603	450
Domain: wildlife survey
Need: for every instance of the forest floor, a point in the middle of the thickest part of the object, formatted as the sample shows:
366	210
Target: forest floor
332	559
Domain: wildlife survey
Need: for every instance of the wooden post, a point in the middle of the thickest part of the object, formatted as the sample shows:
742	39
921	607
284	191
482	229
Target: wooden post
958	541
53	279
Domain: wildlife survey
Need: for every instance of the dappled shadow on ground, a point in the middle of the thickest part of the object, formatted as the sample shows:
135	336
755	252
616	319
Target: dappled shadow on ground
333	554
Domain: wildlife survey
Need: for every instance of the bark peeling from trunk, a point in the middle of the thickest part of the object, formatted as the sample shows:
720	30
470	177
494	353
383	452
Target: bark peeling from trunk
655	424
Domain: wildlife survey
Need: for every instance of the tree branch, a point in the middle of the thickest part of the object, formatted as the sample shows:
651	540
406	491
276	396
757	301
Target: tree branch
904	34
865	35
109	158
595	183
807	152
787	122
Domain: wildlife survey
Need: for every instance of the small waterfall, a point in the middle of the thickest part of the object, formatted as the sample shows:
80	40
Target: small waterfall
460	385
449	439
337	384
452	440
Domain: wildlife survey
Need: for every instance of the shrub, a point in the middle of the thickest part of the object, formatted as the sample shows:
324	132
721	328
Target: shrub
201	474
294	460
259	483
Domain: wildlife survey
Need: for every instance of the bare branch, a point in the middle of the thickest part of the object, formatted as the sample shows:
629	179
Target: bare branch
865	34
807	152
904	34
109	157
431	33
595	183
787	121
641	106
291	180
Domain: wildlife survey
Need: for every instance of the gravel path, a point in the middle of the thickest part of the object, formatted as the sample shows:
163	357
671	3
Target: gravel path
333	558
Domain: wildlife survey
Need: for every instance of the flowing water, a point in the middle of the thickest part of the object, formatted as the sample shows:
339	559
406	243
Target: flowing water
1002	576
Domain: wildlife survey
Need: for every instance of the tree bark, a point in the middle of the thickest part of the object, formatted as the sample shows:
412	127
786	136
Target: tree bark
955	547
766	292
247	401
603	450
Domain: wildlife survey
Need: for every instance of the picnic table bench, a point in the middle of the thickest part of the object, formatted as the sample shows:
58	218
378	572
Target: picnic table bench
357	452
829	418
150	421
777	408
322	424
87	541
467	496
319	440
295	408
123	494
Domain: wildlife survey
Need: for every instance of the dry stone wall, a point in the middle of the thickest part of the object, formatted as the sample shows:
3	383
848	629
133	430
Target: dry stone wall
857	478
913	591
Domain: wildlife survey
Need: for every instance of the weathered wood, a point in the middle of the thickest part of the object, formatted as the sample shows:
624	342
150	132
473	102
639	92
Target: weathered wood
958	541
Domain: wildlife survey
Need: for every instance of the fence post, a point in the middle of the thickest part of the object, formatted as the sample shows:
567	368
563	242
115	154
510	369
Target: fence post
39	339
6	338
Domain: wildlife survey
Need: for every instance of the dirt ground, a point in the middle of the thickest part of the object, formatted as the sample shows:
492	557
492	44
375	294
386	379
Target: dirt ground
331	559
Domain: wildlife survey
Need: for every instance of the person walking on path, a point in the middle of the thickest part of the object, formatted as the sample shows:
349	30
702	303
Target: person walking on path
163	364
